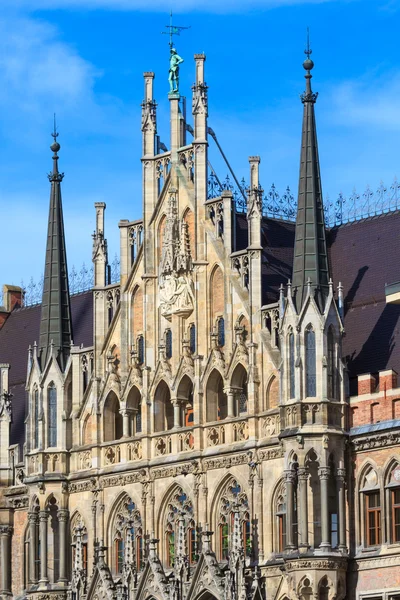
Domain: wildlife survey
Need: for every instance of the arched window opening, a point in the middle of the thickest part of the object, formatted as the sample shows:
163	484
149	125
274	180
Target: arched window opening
36	412
292	378
311	379
239	385
137	317
233	499
185	399
192	338
110	306
371	499
216	399
112	419
331	365
280	508
179	512
127	535
163	408
394	503
140	349
134	408
168	343
52	416
272	393
221	332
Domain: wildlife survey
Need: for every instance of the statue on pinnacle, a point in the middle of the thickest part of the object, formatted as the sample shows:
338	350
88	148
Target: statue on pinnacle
175	60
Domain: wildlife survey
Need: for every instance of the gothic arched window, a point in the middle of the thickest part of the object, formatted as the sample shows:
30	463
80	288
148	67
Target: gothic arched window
180	514
233	499
393	487
292	380
331	365
36	417
52	416
127	536
280	513
311	379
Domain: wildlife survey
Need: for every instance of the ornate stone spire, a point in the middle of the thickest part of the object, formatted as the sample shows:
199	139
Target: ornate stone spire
310	255
55	324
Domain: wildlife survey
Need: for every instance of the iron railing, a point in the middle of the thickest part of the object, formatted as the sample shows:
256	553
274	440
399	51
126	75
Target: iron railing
345	209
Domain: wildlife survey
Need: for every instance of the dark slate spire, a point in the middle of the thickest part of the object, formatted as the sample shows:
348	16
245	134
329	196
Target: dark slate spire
310	255
55	324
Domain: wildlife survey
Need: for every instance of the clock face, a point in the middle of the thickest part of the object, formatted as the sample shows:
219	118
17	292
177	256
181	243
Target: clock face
396	474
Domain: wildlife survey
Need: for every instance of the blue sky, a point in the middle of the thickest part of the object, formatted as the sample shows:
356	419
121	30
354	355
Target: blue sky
84	59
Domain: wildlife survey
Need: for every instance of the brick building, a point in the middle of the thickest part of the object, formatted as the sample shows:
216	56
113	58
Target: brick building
223	422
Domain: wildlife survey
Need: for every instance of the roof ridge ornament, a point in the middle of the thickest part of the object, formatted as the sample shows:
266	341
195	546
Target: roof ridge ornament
308	64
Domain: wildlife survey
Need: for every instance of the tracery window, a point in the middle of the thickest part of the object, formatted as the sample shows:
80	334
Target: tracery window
292	384
36	417
180	506
127	533
280	508
52	416
233	498
311	380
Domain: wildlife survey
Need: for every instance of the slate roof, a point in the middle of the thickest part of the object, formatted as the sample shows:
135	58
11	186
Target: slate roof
363	256
19	332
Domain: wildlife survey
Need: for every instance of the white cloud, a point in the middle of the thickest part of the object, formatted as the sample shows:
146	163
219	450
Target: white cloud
183	6
372	100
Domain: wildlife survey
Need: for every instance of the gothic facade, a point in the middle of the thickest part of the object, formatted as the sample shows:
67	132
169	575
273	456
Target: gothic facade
224	422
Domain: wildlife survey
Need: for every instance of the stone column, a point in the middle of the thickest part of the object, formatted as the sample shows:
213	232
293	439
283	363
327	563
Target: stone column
324	476
303	509
33	520
177	413
341	478
125	424
290	477
62	523
231	402
5	553
43	519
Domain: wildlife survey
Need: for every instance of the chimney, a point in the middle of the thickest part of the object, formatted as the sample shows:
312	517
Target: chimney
12	298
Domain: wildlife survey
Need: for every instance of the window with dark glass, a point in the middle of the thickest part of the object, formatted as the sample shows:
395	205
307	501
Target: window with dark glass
247	535
192	545
36	416
331	364
168	343
171	548
192	338
138	419
52	416
224	541
395	497
221	332
334	530
119	555
311	380
373	518
281	514
292	389
140	349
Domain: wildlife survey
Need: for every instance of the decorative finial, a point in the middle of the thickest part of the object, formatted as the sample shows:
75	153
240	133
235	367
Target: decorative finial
55	147
308	63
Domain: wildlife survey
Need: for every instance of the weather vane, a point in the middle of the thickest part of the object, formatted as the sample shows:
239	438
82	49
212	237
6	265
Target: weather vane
173	30
308	50
55	134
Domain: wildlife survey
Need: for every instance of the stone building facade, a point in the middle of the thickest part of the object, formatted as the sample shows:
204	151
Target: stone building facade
192	432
